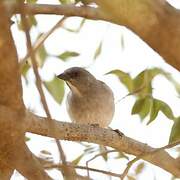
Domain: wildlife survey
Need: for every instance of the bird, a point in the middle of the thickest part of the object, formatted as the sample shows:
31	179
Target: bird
89	101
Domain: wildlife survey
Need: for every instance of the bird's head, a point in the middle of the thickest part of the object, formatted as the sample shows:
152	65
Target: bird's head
78	79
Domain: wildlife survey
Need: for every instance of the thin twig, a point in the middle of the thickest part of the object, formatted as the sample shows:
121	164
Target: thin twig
168	146
38	80
41	40
84	168
97	155
136	91
130	163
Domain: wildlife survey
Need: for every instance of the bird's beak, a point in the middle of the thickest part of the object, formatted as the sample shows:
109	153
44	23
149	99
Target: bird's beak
63	76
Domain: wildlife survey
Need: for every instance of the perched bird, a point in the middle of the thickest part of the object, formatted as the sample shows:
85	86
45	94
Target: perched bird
89	101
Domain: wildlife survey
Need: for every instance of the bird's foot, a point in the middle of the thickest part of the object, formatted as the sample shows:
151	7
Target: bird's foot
119	132
94	125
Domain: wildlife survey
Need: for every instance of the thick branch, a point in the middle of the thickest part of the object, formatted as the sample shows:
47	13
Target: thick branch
66	10
76	132
9	69
155	21
5	171
14	153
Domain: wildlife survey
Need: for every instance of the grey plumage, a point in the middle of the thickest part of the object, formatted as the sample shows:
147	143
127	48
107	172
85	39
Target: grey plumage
89	101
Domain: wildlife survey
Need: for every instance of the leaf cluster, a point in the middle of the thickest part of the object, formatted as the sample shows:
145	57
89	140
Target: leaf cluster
146	105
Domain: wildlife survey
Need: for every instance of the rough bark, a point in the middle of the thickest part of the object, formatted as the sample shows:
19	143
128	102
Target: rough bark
14	153
76	132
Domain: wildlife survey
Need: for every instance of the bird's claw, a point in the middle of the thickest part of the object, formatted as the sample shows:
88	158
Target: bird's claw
118	132
94	125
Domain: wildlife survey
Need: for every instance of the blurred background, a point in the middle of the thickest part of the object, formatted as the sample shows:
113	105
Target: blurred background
116	56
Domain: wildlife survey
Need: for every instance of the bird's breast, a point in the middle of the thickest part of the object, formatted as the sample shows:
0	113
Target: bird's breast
95	108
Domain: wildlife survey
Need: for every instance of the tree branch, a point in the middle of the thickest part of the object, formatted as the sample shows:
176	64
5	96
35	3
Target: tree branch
14	153
51	166
9	70
76	132
39	42
97	155
5	171
24	17
155	21
66	10
130	163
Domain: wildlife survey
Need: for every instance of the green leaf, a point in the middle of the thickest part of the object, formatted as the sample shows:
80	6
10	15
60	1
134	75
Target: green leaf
157	106
143	82
67	55
142	107
25	69
65	1
90	150
103	149
137	106
154	111
41	56
145	110
27	138
125	78
121	155
77	160
31	1
140	168
78	29
166	110
130	177
157	71
168	76
45	152
55	88
175	131
98	51
154	72
85	2
81	24
31	20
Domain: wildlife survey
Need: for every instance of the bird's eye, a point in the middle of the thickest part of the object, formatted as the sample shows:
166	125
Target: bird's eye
75	74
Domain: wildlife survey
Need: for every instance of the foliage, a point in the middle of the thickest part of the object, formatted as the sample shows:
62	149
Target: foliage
146	106
68	54
98	51
55	88
175	134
